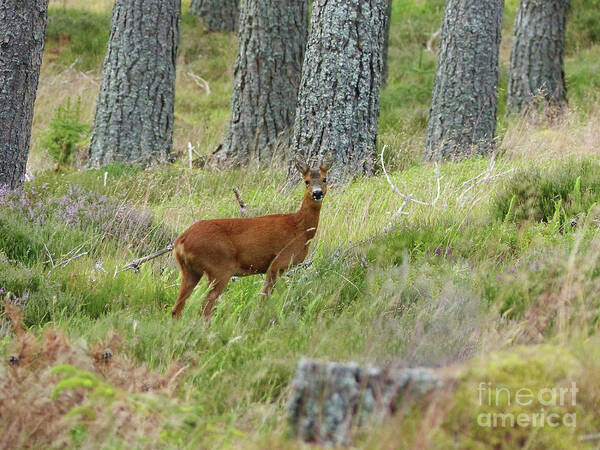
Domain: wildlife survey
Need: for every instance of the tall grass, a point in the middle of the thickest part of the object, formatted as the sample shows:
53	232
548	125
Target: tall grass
492	282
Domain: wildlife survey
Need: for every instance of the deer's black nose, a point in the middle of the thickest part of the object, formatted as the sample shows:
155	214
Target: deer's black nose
318	195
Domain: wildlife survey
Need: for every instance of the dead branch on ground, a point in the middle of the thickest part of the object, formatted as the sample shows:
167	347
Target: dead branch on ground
407	198
136	263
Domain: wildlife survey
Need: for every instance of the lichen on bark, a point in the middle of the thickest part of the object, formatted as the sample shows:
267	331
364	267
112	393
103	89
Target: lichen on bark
462	118
328	399
218	15
135	109
338	101
22	29
267	73
537	56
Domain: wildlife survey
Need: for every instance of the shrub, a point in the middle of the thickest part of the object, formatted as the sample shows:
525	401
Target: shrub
112	219
66	132
77	37
562	192
582	30
18	241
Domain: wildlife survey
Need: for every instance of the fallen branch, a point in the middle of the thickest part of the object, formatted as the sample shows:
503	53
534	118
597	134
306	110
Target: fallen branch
433	37
136	263
200	82
67	258
49	255
98	266
407	198
64	262
484	177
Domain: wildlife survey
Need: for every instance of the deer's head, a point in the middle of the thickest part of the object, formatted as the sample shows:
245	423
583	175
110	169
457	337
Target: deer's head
315	179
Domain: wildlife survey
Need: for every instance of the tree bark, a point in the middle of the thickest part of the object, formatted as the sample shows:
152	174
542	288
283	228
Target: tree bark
386	44
134	114
267	73
462	118
218	15
329	399
338	102
537	57
22	29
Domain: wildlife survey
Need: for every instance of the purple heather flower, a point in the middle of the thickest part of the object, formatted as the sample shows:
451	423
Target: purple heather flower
1	290
427	252
501	260
437	251
3	192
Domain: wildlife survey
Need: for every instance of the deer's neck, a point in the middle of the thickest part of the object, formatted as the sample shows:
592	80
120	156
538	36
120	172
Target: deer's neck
308	216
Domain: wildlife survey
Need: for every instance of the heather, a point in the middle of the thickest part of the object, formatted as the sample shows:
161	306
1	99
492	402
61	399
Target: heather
492	277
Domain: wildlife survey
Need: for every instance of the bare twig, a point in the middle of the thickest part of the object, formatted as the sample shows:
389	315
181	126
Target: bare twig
196	153
200	82
74	63
28	176
64	262
67	258
136	263
238	196
49	255
484	177
98	266
433	37
408	198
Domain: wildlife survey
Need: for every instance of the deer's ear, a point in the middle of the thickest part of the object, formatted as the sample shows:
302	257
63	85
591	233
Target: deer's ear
300	164
327	161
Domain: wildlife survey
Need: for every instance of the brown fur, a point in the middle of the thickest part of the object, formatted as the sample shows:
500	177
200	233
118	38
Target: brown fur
222	248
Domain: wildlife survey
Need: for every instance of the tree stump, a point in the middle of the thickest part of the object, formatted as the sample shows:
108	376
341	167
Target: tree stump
328	399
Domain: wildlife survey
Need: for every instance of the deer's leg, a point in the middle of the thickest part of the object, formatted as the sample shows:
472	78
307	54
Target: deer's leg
272	275
218	284
189	280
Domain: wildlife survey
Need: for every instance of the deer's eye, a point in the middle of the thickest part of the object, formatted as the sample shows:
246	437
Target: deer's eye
307	182
324	180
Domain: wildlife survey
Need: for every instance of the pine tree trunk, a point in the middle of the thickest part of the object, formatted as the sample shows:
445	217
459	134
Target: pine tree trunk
338	102
386	44
462	118
22	29
134	114
268	68
537	57
218	15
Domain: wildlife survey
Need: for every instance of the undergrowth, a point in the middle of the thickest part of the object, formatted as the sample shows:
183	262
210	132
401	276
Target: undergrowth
495	282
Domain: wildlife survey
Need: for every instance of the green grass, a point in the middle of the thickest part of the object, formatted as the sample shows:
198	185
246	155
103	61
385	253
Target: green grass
493	270
77	37
441	275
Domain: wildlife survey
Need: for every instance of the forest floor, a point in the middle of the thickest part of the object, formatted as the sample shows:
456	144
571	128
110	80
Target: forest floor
494	279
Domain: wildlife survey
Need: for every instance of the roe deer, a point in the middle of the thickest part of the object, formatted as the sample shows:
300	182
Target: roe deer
222	248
